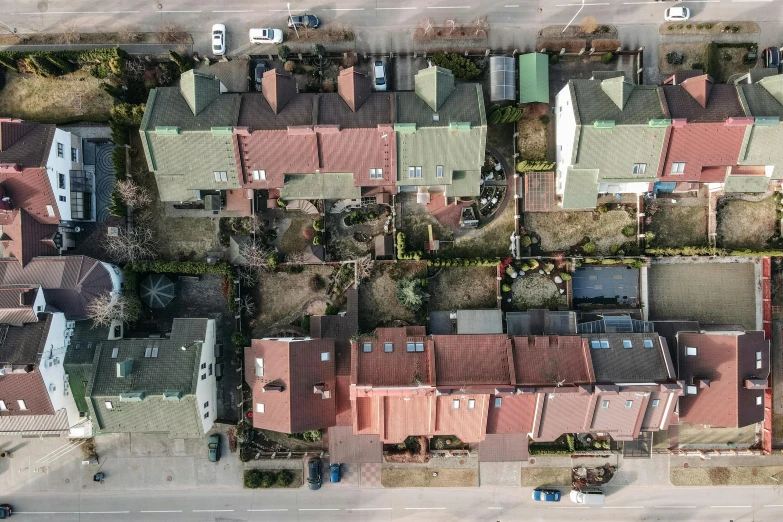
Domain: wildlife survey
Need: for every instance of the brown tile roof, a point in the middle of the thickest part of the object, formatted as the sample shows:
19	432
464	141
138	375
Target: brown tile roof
343	413
277	152
511	447
539	191
353	87
30	388
546	360
397	368
376	110
256	113
617	418
339	152
467	424
657	417
722	101
705	148
407	416
699	87
16	305
278	88
563	413
25	238
23	345
515	414
298	368
726	361
366	415
473	359
29	189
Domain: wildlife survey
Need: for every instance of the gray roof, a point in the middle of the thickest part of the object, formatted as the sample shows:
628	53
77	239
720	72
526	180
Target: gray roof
593	104
464	104
615	151
746	184
32	148
233	74
757	101
376	110
541	322
761	146
618	364
256	113
480	321
22	345
581	189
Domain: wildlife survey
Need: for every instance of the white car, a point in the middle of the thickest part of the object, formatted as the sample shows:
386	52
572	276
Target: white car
677	14
259	36
219	39
380	76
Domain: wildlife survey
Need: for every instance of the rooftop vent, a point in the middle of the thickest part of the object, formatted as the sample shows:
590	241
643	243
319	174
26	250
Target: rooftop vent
124	368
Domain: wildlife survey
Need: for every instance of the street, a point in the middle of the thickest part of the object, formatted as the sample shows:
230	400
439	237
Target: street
490	504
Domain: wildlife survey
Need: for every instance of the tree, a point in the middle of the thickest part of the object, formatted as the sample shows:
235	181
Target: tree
589	24
119	307
133	194
247	275
130	246
246	306
258	255
364	267
411	293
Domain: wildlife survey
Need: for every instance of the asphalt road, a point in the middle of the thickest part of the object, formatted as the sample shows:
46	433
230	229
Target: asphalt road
480	504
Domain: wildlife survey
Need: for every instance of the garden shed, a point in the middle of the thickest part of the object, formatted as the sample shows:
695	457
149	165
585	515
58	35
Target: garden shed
534	78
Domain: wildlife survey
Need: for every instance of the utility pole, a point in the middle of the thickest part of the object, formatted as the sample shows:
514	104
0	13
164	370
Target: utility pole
12	29
290	18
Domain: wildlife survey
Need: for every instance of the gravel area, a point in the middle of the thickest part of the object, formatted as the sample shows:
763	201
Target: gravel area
424	478
727	476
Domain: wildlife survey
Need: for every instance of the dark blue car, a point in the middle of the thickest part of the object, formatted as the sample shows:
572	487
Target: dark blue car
334	472
546	495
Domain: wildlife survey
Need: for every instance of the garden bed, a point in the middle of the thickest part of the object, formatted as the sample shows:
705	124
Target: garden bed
378	305
746	224
534	291
350	234
676	225
455	288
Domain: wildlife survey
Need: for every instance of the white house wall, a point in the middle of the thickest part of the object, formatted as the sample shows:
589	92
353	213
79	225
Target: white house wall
206	389
53	372
116	275
56	166
40	301
566	132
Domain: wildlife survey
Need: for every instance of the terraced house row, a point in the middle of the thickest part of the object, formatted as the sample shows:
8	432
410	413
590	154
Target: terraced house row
201	141
616	137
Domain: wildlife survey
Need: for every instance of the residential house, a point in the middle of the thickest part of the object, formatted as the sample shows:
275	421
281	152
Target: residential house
35	392
725	375
156	384
45	190
21	304
202	142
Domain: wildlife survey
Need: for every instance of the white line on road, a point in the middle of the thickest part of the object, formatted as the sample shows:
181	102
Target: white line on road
729	507
395	8
426	508
283	509
578	5
172	511
569	507
448	7
637	3
774	505
47	512
211	510
235	11
319	509
675	507
701	1
514	5
75	12
368	509
105	512
495	508
623	507
179	11
348	9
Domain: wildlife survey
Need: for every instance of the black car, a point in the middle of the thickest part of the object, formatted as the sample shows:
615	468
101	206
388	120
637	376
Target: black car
307	20
5	511
314	473
772	57
261	68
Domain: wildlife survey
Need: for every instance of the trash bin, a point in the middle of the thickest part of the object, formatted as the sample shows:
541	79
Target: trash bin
98	476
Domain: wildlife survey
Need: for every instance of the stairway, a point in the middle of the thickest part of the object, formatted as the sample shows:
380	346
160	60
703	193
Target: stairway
302	205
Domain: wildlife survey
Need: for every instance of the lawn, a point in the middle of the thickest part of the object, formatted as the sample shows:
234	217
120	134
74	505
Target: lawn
71	97
465	288
535	291
531	130
726	476
423	478
746	224
561	230
293	240
378	305
677	225
283	297
538	477
491	240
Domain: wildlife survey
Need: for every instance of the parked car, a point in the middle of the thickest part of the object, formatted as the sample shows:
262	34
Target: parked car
380	75
772	57
5	511
590	498
546	495
260	36
214	448
307	20
677	14
334	472
219	39
314	473
261	68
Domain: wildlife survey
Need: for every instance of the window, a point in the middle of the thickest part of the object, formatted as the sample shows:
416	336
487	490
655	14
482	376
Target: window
388	347
690	351
436	117
148	351
639	168
154	351
259	407
74	155
605	404
627	343
22	405
418	172
50	210
108	405
203	376
419	347
63	199
595	344
758	401
376	173
411	172
678	167
259	175
60	150
410	347
259	367
604	343
203	366
324	356
2	406
471	404
366	347
209	369
498	402
628	404
439	171
206	415
61	180
221	176
114	352
455	404
758	360
206	404
648	343
655	403
691	390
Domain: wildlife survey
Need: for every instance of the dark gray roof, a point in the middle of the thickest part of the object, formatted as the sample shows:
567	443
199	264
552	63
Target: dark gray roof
440	324
757	101
464	104
618	364
593	104
376	110
21	345
255	112
722	103
541	322
32	148
85	339
234	74
171	110
668	330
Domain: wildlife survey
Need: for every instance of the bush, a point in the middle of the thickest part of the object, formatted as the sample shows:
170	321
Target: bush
603	209
273	260
318	225
119	162
525	241
253	478
117	207
708	26
318	240
589	248
117	66
314	435
628	231
553	59
675	57
565	276
460	66
607	57
570	441
127	114
411	293
535	166
283	52
331	310
61	64
241	339
317	283
304	323
184	63
508	114
281	203
544	119
284	478
688	26
267	479
505	288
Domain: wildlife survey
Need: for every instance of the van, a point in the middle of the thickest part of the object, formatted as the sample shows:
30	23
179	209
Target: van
590	498
261	36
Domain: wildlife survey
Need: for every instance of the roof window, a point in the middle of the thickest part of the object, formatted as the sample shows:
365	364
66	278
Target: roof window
648	343
655	403
639	168
604	343
114	352
595	344
628	404
627	343
259	175
691	390
471	404
410	347
498	402
221	176
678	167
388	347
439	171
325	356
455	404
366	347
605	404
758	400
419	347
690	351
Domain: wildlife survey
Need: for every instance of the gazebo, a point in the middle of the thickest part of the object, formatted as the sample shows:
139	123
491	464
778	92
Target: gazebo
157	291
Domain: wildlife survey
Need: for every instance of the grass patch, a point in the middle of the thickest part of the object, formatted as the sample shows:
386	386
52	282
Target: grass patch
422	478
677	226
293	241
561	230
71	97
727	476
531	130
539	477
378	305
491	240
536	291
746	224
463	288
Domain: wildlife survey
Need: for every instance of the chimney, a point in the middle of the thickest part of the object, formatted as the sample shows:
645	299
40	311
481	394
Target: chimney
703	383
269	387
755	384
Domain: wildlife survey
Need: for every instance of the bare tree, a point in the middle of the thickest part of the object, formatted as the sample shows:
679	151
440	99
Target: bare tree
246	306
364	267
247	275
426	26
119	307
70	33
133	194
256	254
296	258
453	23
171	33
136	245
135	69
128	33
481	25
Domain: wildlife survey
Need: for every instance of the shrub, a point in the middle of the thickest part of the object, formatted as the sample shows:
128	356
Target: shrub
61	64
688	26
553	59
127	114
9	62
613	249
318	225
267	479
607	57
603	209
535	166
241	339
283	52
318	240
570	441
544	119
699	26
628	231
304	323
533	264
118	160
565	276
331	310
675	57
117	66
315	435
281	202
412	444
508	114
119	135
411	293
253	478
589	248
184	63
670	27
525	241
460	66
505	287
708	26
284	478
317	283
273	260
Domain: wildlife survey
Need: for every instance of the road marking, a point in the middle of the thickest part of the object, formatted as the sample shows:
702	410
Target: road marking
47	512
774	505
368	509
513	5
637	3
675	507
749	1
75	12
568	507
211	510
623	507
700	1
495	508
395	8
348	9
179	11
235	11
173	511
281	509
578	5
448	7
729	506
426	508
319	509
105	512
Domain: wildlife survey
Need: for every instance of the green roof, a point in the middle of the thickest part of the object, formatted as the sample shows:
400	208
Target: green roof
761	145
464	184
640	103
533	78
320	186
614	152
434	85
581	189
618	90
743	183
199	89
78	374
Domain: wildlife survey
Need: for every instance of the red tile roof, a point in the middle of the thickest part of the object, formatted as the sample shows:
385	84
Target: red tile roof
547	360
515	414
397	368
278	88
705	148
298	368
359	150
237	201
407	416
725	361
467	424
563	413
25	238
699	87
353	87
277	152
473	359
30	388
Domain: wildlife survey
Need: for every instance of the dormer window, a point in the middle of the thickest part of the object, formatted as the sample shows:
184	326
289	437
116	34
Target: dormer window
439	171
639	168
678	167
258	175
376	173
221	176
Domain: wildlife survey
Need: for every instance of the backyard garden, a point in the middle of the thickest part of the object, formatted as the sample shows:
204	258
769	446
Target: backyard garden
531	284
679	224
378	303
455	288
749	223
351	233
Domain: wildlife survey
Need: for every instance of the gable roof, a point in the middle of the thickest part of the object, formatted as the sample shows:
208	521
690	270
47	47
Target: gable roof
581	189
774	86
702	101
278	88
353	87
705	148
396	368
615	150
24	238
233	74
699	87
618	89
592	104
533	78
757	101
23	345
434	85
199	89
637	364
473	359
17	305
761	146
28	387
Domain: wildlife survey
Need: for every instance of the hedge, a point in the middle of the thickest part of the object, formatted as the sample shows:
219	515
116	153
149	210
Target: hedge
402	253
535	166
710	251
462	262
259	478
508	114
460	66
83	56
126	114
117	207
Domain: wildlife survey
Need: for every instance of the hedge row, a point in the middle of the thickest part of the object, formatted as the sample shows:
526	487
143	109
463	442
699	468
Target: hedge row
460	66
84	56
257	478
709	251
633	263
462	262
401	252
